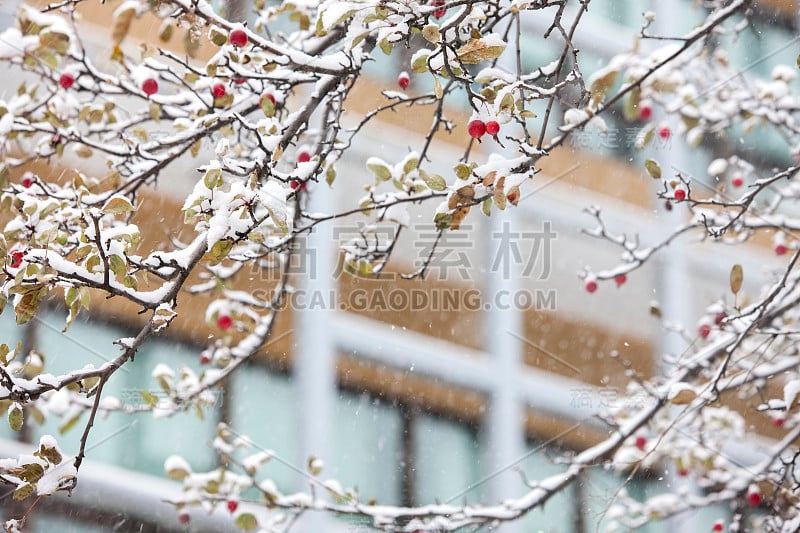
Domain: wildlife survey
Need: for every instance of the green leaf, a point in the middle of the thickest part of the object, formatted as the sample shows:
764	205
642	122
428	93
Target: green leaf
216	36
31	472
213	178
434	181
420	63
380	169
736	278
463	171
386	47
246	522
69	424
117	265
653	168
410	164
49	454
149	398
330	175
15	417
23	492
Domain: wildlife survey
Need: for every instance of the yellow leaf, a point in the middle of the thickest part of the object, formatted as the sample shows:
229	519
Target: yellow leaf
737	276
477	50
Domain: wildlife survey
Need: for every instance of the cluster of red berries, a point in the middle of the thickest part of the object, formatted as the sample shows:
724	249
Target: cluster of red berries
591	284
477	128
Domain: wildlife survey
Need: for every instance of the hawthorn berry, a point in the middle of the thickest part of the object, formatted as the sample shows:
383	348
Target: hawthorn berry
737	181
303	156
439	13
620	279
403	80
205	357
512	197
66	80
295	184
641	442
476	128
719	317
218	90
719	525
704	330
150	86
16	258
779	421
492	127
679	195
754	498
238	37
664	133
780	249
232	506
239	81
683	472
645	112
184	518
224	322
591	286
26	181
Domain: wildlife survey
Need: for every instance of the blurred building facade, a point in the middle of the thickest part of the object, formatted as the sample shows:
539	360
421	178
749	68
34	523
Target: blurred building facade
449	389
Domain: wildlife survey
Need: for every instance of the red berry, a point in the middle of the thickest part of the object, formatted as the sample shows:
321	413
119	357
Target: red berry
238	37
303	156
26	181
66	80
512	197
150	86
224	322
645	112
737	181
295	184
641	442
476	128
218	90
719	525
492	127
205	358
683	472
620	279
779	421
664	133
679	194
719	317
239	81
780	249
591	286
184	518
232	506
16	258
704	330
754	498
439	13
403	80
